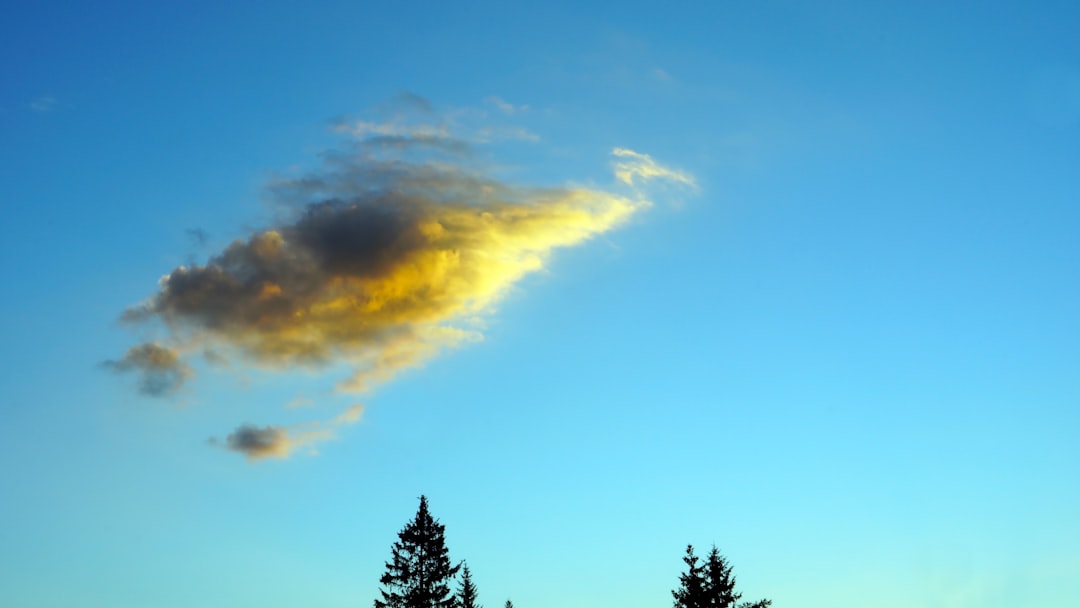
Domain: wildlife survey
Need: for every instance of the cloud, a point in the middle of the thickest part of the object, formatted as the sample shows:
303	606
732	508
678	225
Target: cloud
642	167
258	443
396	131
506	133
44	103
160	370
299	401
504	106
392	252
351	415
409	121
374	270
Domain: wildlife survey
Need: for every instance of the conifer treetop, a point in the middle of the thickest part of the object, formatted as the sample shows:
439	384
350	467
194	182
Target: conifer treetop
419	571
466	594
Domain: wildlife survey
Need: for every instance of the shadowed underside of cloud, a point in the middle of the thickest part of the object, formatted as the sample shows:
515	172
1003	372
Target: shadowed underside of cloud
391	253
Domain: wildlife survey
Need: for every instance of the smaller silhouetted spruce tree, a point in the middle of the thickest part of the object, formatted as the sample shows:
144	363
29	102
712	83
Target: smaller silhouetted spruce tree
419	569
509	604
466	594
691	591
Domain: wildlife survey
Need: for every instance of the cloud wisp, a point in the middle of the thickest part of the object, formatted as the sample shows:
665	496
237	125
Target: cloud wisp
43	104
633	166
386	256
505	106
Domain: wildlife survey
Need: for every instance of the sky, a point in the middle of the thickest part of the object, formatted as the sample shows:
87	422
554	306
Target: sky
601	280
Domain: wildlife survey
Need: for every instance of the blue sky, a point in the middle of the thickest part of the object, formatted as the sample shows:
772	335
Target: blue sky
847	355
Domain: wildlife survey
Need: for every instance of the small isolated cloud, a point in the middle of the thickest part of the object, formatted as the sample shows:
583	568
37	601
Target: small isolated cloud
392	252
633	166
258	443
504	106
160	370
45	103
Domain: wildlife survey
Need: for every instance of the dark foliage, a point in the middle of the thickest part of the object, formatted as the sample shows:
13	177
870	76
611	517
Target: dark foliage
419	571
719	582
691	591
466	594
711	585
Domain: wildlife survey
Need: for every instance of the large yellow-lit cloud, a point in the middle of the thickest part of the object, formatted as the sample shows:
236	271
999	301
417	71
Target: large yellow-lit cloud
393	249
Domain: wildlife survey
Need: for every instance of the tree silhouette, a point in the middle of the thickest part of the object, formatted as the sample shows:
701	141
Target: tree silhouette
719	583
419	570
466	595
711	585
691	591
509	604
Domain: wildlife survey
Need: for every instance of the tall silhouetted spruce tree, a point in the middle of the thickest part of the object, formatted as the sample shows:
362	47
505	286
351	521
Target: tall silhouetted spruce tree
419	571
711	585
466	595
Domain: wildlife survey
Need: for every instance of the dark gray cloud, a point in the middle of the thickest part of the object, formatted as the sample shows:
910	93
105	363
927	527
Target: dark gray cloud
259	442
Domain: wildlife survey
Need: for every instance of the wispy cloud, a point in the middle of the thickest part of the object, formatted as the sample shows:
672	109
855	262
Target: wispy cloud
299	401
44	103
392	252
362	128
351	415
634	167
453	132
505	106
662	74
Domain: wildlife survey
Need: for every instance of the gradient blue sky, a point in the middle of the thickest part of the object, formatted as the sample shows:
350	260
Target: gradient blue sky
851	359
